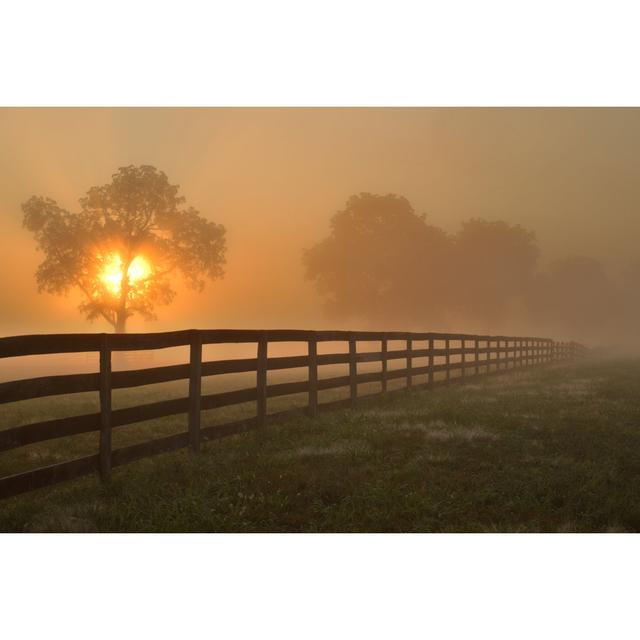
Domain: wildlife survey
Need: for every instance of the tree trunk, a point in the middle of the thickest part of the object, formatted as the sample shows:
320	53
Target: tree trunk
121	322
121	314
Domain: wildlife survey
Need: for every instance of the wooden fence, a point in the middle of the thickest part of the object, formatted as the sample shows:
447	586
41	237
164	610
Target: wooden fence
478	355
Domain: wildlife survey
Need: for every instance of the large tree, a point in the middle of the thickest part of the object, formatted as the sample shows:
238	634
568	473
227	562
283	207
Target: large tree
125	246
494	264
381	262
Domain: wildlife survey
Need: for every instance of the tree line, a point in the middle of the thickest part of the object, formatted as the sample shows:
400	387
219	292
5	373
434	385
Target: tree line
387	266
382	265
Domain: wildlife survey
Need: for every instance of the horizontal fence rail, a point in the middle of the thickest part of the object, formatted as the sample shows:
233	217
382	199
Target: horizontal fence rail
476	355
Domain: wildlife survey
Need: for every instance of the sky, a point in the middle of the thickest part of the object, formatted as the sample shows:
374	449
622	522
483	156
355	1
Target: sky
274	177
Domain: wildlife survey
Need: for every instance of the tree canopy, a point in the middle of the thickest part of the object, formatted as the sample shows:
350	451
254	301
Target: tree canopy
383	262
379	254
494	264
125	246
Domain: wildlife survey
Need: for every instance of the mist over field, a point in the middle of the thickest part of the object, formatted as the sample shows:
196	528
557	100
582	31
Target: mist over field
502	221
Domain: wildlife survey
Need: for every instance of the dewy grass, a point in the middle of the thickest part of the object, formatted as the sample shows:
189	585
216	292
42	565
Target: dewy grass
555	449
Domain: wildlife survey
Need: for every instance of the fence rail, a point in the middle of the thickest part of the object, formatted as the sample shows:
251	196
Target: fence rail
479	355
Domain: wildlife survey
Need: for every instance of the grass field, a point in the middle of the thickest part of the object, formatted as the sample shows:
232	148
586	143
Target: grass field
552	449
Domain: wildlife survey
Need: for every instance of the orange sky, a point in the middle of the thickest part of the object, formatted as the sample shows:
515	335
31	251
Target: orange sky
274	177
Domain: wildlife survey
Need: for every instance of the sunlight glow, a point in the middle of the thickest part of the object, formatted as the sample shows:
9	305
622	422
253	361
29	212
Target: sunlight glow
111	274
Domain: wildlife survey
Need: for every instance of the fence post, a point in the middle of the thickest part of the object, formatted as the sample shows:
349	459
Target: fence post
432	361
105	409
409	361
520	353
353	372
463	357
383	376
476	344
313	375
195	389
261	380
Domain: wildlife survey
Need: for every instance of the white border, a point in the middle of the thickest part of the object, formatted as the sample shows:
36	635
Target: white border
319	53
319	586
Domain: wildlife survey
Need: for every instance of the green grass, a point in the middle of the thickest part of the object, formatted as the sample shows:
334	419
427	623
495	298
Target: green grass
553	449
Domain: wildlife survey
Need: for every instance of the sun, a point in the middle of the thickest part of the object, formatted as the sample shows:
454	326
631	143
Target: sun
111	274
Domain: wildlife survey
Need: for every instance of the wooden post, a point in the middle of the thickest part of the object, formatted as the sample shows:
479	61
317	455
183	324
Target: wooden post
261	380
462	358
353	371
409	362
476	343
105	409
195	390
313	376
383	348
520	353
432	361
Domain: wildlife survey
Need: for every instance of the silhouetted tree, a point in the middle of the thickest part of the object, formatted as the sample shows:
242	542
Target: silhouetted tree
124	246
494	264
381	261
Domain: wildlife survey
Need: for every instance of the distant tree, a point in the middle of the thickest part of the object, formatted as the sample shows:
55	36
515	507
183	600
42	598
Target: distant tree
381	262
125	245
629	295
576	298
494	264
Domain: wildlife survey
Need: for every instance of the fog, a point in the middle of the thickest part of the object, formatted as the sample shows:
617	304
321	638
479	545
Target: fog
275	177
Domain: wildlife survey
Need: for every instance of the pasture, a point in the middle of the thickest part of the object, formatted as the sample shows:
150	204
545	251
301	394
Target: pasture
555	448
